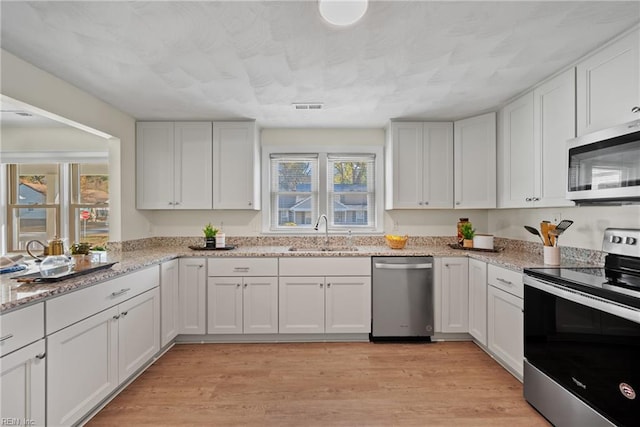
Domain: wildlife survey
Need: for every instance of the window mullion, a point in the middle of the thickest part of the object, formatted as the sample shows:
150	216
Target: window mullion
323	190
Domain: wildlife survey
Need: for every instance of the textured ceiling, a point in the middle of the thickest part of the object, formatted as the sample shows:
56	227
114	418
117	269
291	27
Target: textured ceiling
232	60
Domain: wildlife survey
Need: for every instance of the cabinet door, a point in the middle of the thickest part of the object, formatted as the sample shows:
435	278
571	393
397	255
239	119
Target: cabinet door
224	305
154	165
260	305
348	304
555	121
505	328
193	276
82	367
301	305
517	153
478	300
236	176
138	332
608	85
475	162
193	170
405	166
22	385
438	160
169	300
455	295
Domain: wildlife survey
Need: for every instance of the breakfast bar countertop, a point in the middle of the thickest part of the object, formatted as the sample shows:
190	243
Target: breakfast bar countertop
14	295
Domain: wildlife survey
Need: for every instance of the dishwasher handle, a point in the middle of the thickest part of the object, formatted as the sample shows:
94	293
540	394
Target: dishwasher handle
417	266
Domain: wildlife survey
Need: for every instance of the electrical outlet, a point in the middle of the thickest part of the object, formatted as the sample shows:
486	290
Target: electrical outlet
557	217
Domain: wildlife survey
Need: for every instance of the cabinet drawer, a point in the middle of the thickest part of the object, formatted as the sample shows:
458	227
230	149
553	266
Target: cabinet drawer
243	267
325	266
21	327
508	280
75	306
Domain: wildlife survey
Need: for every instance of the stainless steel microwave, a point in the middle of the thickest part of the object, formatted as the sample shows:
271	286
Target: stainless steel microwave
604	166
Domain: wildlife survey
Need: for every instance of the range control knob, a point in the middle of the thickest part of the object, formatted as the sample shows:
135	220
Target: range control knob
616	239
631	241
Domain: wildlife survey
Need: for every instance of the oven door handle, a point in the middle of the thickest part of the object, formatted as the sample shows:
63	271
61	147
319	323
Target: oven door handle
582	298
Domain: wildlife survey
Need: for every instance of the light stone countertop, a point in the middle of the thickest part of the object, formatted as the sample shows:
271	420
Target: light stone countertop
13	296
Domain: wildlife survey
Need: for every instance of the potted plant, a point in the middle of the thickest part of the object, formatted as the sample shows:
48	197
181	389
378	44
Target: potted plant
99	254
468	232
210	235
79	252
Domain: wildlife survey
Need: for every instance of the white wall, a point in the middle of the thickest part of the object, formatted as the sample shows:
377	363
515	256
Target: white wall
38	140
27	83
586	231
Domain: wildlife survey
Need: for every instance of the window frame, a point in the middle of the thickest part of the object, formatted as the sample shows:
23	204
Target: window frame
323	197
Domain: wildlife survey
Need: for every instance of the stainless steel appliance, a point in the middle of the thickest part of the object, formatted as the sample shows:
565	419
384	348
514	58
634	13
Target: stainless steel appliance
402	298
582	338
604	166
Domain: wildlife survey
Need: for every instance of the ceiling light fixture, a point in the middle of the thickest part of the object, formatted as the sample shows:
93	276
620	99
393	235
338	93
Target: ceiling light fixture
308	105
342	12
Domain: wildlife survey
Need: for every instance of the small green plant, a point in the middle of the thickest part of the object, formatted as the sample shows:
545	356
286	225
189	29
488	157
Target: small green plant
80	248
210	231
99	248
467	231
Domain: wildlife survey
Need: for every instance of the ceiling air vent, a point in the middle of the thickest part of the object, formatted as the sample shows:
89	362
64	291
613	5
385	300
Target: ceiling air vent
308	105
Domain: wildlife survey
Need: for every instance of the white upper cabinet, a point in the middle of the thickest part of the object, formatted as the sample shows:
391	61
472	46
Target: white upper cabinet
174	165
419	165
236	172
608	85
516	153
475	162
554	119
532	159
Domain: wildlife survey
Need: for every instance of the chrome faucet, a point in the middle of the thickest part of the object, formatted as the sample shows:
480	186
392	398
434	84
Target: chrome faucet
326	228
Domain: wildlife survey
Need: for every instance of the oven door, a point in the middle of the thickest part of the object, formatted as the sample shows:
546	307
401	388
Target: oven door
588	345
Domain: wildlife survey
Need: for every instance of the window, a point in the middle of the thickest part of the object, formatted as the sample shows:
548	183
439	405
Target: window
89	209
303	186
49	200
34	203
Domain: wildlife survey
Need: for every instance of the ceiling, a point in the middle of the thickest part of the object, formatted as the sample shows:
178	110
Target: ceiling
213	60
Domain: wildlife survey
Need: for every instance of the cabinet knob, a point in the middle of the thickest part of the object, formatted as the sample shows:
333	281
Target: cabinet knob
124	313
245	285
170	203
116	317
635	109
420	203
249	203
426	203
200	266
328	285
177	203
320	284
237	285
528	199
536	199
41	356
446	265
457	203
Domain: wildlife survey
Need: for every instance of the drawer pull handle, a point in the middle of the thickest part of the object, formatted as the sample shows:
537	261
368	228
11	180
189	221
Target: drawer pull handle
506	282
120	292
6	337
241	269
41	356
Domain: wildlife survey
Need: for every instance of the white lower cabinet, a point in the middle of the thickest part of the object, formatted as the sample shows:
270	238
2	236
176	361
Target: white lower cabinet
82	367
22	386
505	319
332	304
89	359
192	295
169	301
478	300
453	288
237	305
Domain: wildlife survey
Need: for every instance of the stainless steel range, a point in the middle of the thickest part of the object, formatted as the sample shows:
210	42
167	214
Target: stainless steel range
582	338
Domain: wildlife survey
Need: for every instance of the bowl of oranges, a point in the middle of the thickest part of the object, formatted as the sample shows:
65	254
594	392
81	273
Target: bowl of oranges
396	242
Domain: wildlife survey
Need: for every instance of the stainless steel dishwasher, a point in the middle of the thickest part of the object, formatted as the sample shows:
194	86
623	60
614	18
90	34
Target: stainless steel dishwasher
402	298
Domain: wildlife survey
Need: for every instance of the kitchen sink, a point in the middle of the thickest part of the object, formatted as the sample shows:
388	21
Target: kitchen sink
323	249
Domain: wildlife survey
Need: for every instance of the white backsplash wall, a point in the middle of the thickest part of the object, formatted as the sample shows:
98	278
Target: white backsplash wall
433	222
589	223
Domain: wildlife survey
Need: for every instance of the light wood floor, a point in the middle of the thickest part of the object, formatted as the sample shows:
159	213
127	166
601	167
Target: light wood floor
322	384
